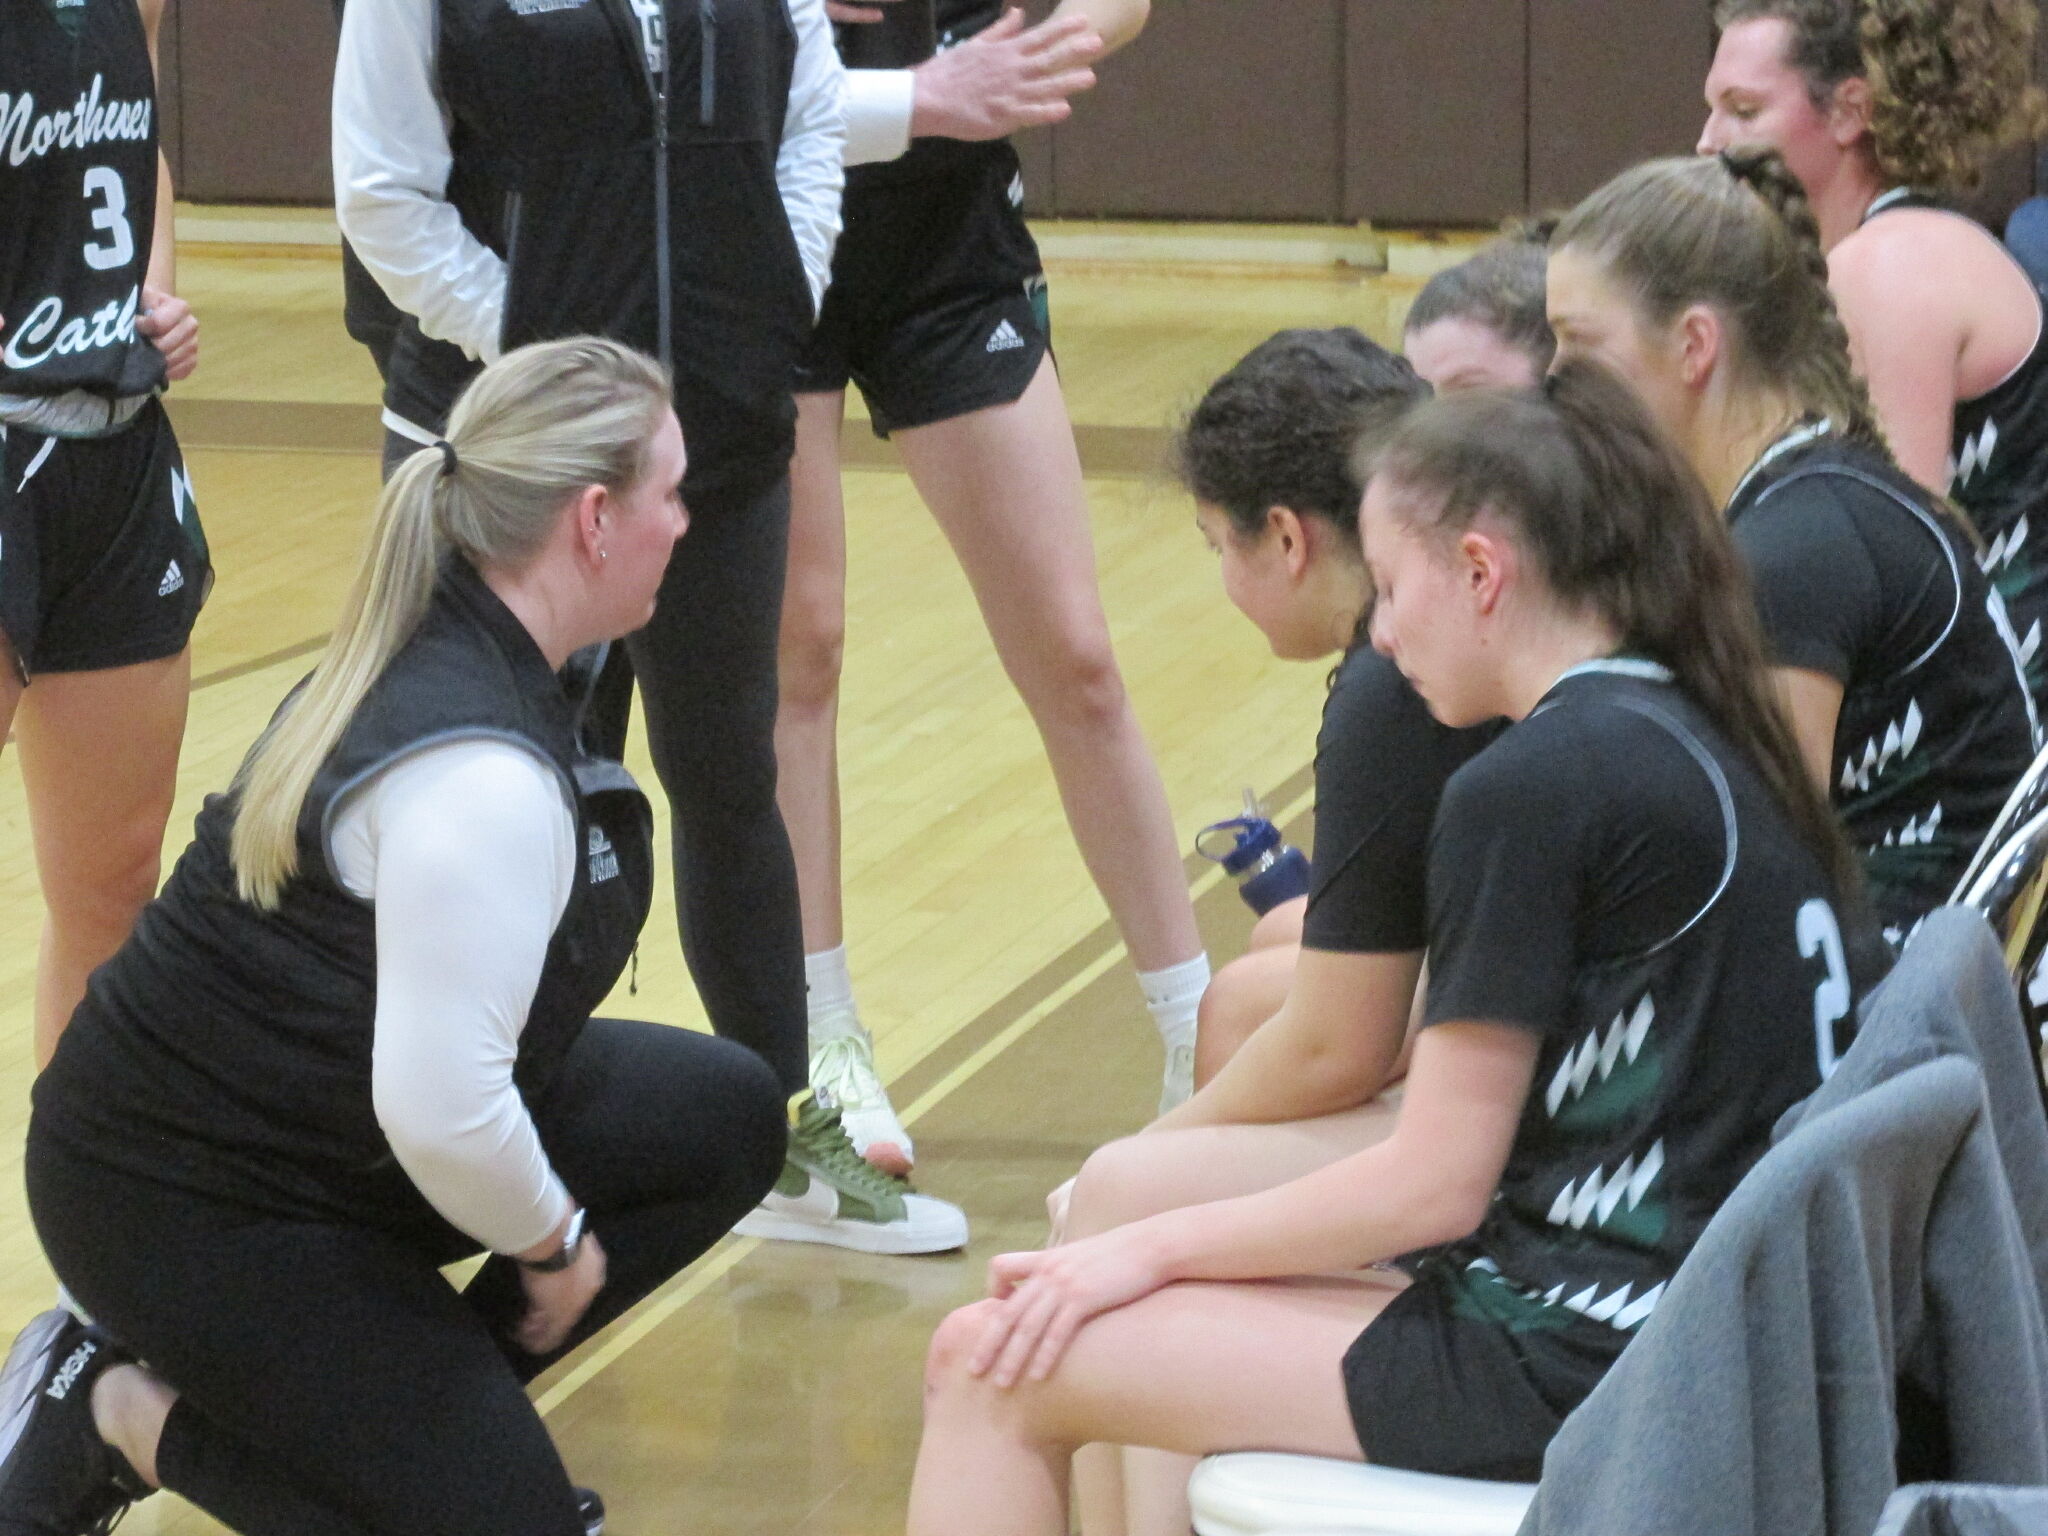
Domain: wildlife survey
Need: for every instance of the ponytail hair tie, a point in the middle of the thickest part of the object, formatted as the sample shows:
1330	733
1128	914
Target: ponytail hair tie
449	463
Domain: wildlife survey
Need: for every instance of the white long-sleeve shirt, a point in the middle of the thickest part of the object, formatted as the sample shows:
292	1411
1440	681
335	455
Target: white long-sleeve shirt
392	162
467	851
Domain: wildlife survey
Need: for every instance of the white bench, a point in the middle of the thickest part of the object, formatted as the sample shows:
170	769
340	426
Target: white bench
1259	1493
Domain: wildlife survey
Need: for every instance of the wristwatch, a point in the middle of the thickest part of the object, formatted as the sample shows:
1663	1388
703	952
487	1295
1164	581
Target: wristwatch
572	1244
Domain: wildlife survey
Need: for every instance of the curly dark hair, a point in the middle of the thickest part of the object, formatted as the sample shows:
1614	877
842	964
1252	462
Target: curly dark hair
1950	80
1282	426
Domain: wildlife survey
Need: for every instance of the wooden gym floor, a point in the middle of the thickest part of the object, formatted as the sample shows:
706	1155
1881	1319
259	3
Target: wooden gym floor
774	1387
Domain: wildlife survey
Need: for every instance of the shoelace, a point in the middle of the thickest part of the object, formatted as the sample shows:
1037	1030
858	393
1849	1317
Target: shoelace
822	1135
844	1067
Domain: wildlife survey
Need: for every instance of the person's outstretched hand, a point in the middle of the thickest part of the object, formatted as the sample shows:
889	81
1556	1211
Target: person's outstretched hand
1046	1296
1004	78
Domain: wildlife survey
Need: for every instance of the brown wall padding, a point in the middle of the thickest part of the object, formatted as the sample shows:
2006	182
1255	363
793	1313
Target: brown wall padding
170	120
254	80
1400	111
1436	112
1225	109
1611	82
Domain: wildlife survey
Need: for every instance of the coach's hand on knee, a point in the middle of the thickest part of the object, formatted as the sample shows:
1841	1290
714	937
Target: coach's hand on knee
556	1302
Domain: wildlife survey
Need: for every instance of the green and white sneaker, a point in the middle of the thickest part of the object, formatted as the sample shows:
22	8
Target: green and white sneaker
829	1193
843	1073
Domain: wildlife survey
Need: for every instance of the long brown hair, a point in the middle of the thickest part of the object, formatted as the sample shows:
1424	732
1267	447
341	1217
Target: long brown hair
1619	527
1733	231
1950	80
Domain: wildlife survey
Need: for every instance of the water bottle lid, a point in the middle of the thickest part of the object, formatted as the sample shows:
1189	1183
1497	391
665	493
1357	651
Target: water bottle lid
1252	838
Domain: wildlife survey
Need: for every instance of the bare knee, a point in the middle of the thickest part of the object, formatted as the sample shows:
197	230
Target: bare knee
1282	925
812	649
1115	1186
1076	684
1231	1010
948	1362
105	888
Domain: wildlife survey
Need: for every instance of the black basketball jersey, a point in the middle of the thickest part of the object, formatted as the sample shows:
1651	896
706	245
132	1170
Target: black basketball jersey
1999	469
78	169
1859	578
956	21
1613	876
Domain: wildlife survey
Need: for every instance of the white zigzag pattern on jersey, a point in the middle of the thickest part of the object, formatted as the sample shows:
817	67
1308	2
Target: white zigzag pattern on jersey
1614	1308
2004	549
1600	1051
1900	738
1602	1193
1976	455
1915	831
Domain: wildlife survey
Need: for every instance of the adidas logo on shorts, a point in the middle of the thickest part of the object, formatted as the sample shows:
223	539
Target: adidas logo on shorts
1005	338
173	580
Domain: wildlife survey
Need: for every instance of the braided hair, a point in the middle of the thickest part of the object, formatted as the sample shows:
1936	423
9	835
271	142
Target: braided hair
1734	231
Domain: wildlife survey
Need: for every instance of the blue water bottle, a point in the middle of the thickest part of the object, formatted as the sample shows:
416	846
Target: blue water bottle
1268	869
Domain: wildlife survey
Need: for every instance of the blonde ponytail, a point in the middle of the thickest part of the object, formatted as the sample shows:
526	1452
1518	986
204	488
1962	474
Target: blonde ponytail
531	432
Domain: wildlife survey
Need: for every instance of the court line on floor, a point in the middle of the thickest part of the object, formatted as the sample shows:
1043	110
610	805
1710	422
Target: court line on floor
290	652
1108	451
693	1283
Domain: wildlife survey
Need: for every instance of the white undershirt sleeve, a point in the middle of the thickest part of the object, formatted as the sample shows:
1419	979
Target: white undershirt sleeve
468	852
878	107
809	167
391	166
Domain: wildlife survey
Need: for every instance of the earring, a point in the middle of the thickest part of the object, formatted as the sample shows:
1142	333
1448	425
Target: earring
603	555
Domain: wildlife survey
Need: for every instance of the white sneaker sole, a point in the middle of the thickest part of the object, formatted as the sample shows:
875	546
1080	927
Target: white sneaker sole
28	1362
931	1227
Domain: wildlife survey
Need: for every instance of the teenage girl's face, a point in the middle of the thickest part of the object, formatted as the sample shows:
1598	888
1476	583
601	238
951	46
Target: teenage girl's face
640	536
1596	319
1455	353
1424	618
1755	96
1266	585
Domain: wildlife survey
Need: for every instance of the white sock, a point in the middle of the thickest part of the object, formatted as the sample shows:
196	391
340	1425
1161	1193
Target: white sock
828	996
1173	996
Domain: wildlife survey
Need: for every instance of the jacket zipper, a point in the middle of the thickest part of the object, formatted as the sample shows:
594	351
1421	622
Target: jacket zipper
707	74
665	348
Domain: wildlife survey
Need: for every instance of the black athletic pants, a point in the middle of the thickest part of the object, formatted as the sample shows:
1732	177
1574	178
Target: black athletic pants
331	1382
706	669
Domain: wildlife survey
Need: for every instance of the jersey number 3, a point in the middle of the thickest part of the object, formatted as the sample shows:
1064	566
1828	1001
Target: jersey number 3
103	185
1819	934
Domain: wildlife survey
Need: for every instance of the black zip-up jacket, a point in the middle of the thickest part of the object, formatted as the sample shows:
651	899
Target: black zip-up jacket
639	202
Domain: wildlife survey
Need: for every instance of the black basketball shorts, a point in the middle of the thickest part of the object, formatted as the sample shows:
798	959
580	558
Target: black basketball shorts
937	305
102	559
1434	1388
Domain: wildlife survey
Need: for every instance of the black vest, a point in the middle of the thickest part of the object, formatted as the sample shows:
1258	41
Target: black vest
78	164
229	1048
641	205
